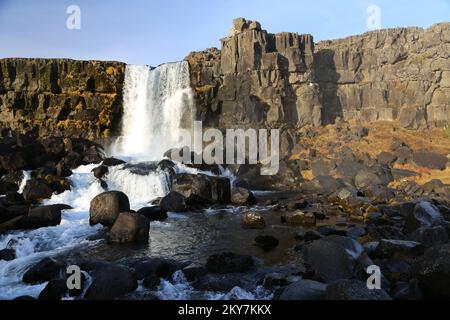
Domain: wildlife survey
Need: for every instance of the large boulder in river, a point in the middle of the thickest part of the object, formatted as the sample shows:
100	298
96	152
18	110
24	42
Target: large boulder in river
242	196
110	282
173	202
333	257
106	207
44	216
202	189
37	190
424	215
253	220
433	271
45	270
130	228
153	213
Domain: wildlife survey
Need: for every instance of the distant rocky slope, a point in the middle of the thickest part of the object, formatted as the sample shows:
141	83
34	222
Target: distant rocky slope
61	97
259	78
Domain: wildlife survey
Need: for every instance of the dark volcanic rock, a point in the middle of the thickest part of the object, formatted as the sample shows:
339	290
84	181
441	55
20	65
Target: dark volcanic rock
220	282
332	258
430	160
228	262
424	215
242	196
100	171
267	243
45	270
153	213
304	290
36	190
105	207
430	236
112	162
354	290
389	248
44	216
433	271
7	254
152	267
110	282
130	227
173	202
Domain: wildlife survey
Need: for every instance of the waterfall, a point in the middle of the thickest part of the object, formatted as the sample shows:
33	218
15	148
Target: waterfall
157	103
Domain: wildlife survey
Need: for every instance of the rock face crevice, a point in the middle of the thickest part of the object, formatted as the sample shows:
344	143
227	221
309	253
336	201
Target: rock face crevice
278	80
61	97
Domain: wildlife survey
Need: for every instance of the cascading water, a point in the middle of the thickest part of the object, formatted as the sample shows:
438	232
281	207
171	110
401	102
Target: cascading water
157	103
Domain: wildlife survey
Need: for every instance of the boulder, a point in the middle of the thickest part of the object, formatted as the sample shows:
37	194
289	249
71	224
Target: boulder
195	188
267	243
54	290
106	207
152	267
430	160
304	290
354	290
299	218
7	254
110	282
36	190
424	215
242	196
387	158
365	179
173	202
153	213
253	220
100	171
228	262
430	236
219	282
44	216
433	272
389	248
45	270
333	257
6	187
130	227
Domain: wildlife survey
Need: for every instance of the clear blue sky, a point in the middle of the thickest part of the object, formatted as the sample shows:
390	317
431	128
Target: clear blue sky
156	31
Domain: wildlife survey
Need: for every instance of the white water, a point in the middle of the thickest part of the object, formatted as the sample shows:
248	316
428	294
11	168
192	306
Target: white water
157	103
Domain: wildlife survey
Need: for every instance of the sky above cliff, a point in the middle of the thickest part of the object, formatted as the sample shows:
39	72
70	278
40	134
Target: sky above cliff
156	31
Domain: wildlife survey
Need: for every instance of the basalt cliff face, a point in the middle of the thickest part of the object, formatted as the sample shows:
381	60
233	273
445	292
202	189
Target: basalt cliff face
61	97
257	79
286	80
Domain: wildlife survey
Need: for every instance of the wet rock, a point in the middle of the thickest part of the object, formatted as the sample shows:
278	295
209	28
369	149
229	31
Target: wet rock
151	282
304	290
430	160
228	262
430	236
219	282
242	196
105	207
112	162
152	267
253	220
299	218
433	272
353	290
389	248
130	228
267	243
100	171
6	187
332	258
153	213
173	202
7	254
37	190
45	270
424	215
44	216
195	188
54	290
194	272
356	232
110	282
396	270
312	235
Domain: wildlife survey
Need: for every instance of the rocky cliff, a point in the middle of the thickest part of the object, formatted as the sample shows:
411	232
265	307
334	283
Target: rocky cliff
61	97
285	80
